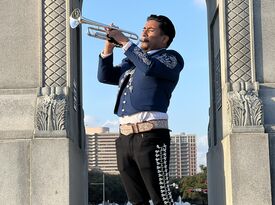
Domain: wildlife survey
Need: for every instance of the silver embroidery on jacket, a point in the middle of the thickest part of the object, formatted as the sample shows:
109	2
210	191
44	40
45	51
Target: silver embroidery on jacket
168	60
128	72
143	56
162	169
129	85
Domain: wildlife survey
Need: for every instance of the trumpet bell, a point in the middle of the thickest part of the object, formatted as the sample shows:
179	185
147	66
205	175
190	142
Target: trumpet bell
74	23
75	18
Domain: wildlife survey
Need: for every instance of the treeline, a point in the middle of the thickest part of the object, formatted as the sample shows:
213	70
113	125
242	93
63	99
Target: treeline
192	189
114	191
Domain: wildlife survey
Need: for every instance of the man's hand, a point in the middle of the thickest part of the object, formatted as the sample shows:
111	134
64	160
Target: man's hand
118	36
109	46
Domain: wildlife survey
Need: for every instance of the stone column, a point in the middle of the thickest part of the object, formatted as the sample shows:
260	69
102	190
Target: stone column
42	138
242	112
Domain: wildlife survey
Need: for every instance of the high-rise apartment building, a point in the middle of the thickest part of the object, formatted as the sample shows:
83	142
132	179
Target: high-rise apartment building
102	149
183	155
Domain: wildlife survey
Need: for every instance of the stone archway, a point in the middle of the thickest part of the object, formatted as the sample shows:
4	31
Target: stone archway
241	128
42	139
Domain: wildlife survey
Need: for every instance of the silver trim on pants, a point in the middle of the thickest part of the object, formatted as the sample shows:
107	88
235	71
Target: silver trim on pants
162	169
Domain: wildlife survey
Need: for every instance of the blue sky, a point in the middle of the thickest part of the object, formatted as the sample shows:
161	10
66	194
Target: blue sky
188	111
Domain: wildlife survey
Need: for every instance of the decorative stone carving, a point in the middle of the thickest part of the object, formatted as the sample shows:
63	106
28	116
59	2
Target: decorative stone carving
54	43
217	83
245	105
75	95
51	110
238	40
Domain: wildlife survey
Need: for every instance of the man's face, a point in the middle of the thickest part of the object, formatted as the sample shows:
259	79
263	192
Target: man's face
152	37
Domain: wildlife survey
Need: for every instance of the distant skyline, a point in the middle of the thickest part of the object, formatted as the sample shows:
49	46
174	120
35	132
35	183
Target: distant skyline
188	111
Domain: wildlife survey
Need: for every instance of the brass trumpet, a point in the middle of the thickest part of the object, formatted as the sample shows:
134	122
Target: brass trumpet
96	29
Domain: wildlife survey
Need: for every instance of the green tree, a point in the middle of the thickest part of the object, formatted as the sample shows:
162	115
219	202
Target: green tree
95	186
114	191
194	188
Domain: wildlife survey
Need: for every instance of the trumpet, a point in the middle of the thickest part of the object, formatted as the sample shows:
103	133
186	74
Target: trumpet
97	29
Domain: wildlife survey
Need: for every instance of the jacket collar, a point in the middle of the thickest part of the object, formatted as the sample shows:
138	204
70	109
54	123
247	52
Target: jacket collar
153	52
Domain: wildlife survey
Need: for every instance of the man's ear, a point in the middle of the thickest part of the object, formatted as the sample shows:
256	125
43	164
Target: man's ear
165	39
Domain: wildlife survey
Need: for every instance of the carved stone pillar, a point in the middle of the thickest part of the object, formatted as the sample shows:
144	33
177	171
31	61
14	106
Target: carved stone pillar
239	157
42	137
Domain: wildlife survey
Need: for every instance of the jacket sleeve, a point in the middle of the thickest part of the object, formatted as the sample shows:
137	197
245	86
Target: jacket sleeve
166	65
108	73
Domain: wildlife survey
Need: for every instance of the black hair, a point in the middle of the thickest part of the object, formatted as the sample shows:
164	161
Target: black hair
166	25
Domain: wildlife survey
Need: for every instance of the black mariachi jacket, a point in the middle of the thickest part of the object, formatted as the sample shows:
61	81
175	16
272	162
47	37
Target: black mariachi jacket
152	81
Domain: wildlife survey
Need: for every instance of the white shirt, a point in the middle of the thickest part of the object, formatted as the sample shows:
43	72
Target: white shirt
143	116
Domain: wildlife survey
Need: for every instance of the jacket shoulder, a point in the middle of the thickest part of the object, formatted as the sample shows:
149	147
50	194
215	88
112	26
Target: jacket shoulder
170	58
175	54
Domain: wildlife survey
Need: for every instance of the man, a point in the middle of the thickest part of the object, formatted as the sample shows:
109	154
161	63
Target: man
146	79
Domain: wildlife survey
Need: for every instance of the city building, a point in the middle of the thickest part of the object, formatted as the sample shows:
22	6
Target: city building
183	155
102	150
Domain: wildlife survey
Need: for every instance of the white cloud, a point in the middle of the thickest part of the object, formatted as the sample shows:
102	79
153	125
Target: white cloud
200	3
112	124
202	147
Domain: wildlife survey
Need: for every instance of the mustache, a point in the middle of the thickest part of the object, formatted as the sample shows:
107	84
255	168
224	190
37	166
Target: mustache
144	40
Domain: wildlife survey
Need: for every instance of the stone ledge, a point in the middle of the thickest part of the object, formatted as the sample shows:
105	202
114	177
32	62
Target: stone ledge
16	134
248	129
51	134
32	91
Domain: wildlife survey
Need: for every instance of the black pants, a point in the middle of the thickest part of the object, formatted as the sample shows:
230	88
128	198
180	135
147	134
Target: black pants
143	161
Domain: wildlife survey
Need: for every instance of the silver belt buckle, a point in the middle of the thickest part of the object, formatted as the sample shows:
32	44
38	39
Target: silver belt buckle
126	129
